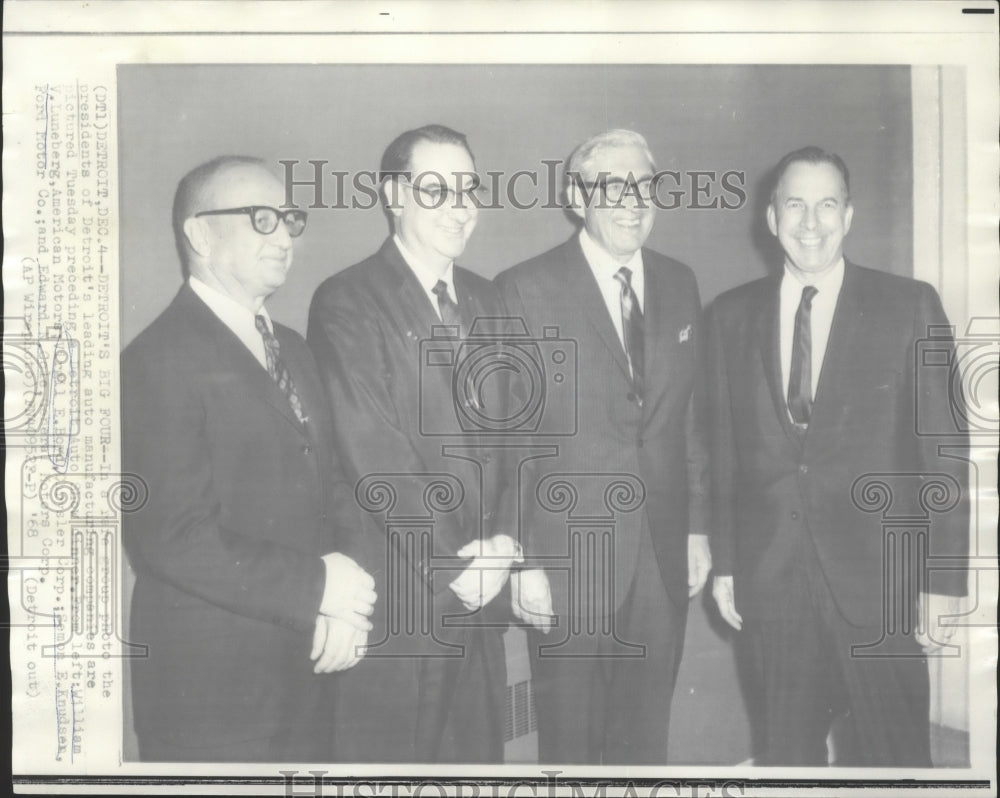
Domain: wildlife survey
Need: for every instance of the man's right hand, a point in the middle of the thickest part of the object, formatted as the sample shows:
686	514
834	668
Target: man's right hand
725	597
349	592
337	645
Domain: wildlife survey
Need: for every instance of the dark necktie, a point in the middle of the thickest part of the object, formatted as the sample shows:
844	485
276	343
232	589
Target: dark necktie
632	327
800	397
447	307
277	369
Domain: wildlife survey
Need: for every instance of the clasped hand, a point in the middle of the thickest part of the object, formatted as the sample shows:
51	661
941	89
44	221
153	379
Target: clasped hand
341	631
531	598
485	576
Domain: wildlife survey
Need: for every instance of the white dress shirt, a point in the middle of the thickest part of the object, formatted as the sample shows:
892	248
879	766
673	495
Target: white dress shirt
427	277
236	317
605	268
824	303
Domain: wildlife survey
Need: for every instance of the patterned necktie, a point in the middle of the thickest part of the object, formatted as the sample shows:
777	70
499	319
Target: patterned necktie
447	307
277	369
632	327
800	397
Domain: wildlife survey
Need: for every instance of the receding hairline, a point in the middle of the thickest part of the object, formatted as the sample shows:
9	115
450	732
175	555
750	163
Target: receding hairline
194	190
811	154
844	188
211	183
397	158
429	143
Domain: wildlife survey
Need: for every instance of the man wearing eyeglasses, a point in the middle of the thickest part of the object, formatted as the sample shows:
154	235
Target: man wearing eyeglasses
604	674
431	687
240	593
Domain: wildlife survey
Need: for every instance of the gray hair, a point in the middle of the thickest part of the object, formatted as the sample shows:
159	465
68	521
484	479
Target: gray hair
583	157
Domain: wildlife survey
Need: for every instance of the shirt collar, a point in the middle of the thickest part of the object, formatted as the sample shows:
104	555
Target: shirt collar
828	284
603	265
232	313
425	276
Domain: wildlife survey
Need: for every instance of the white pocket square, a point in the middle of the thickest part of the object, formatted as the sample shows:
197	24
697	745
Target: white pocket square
684	335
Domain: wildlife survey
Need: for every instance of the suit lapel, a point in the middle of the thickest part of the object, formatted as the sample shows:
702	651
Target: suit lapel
580	280
409	308
769	341
656	328
233	352
469	306
848	318
413	307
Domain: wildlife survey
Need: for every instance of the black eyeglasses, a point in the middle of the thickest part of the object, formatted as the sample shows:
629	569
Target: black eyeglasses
265	218
615	189
438	195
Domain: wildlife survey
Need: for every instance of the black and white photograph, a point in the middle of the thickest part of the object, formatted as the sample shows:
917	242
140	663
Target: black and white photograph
611	407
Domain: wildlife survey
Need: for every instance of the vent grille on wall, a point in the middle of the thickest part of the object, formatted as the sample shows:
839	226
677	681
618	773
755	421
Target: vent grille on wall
520	714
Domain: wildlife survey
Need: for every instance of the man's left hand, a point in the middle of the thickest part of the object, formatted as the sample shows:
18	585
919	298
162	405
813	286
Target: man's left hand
699	563
531	598
485	576
934	627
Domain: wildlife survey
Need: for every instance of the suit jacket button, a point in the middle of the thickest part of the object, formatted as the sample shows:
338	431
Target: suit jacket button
795	516
306	448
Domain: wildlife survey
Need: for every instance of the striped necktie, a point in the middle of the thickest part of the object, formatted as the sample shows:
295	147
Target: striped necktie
277	369
632	327
800	398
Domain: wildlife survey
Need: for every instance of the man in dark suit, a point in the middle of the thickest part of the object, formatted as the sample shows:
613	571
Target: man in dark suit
604	674
226	422
432	685
811	389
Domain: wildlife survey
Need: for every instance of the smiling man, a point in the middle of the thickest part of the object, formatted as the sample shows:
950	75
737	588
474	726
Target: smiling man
605	663
428	691
238	581
812	385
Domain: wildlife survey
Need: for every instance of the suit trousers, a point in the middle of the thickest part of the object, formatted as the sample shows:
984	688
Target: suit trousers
609	703
813	669
461	709
442	703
